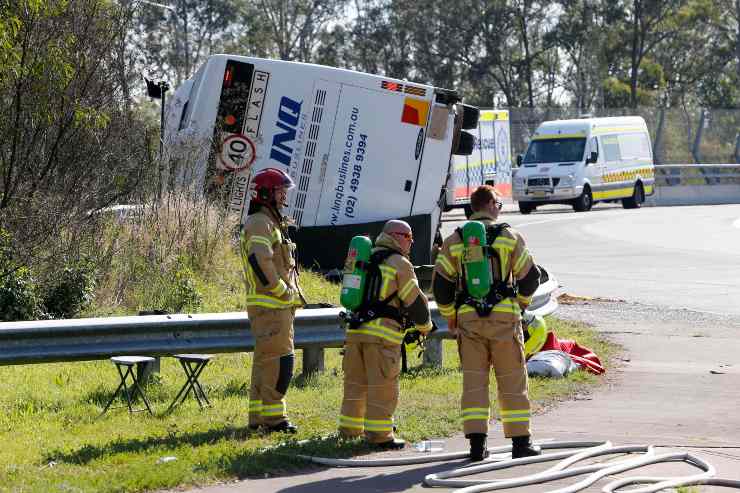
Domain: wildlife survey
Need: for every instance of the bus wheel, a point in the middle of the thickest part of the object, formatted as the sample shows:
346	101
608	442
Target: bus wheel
526	207
584	202
468	211
638	197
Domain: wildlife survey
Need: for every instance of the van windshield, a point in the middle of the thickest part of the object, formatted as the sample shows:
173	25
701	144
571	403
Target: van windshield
555	150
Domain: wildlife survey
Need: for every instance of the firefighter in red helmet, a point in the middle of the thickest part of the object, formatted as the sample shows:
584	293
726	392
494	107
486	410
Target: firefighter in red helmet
273	294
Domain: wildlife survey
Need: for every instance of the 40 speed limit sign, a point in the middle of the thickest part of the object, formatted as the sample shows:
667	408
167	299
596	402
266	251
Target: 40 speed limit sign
237	153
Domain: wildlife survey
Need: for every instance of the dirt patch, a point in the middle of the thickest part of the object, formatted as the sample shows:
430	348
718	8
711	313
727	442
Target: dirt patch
570	299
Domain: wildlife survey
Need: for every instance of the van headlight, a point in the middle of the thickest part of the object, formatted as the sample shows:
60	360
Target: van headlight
567	181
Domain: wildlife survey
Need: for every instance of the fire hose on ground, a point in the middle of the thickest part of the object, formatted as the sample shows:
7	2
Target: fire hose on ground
566	467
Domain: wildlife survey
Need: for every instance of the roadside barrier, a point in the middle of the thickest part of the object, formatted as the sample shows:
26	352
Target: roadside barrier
696	184
49	341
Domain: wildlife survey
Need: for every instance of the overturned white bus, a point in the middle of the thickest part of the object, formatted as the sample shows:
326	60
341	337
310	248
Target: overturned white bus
361	148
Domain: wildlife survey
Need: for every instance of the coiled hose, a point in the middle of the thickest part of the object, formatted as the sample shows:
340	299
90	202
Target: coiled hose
500	459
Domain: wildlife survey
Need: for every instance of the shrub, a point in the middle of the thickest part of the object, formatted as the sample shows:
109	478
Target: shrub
71	290
174	290
18	297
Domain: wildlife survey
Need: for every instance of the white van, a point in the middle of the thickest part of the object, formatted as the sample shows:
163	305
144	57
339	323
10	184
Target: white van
489	164
584	161
361	148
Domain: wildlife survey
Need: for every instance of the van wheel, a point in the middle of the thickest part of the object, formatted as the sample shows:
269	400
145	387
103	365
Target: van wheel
468	211
638	197
585	201
526	207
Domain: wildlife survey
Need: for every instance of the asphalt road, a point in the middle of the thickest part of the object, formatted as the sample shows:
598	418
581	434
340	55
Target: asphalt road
680	257
678	271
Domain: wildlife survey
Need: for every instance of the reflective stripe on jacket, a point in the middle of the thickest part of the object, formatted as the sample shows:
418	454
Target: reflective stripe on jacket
267	259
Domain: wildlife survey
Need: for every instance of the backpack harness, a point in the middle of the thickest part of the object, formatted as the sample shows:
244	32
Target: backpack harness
500	290
372	306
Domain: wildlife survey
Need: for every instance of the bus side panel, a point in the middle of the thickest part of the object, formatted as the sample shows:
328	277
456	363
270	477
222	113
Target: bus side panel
311	166
373	162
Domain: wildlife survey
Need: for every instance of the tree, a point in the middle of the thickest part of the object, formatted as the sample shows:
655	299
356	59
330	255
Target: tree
68	146
579	33
295	26
174	39
647	26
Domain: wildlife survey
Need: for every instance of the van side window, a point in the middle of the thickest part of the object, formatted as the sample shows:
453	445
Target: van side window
610	143
634	146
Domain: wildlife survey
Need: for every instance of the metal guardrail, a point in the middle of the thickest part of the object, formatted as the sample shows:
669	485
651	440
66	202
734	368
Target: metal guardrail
697	174
696	184
48	341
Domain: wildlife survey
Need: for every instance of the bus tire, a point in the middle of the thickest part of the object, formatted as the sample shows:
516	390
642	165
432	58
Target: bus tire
585	201
638	197
526	207
468	211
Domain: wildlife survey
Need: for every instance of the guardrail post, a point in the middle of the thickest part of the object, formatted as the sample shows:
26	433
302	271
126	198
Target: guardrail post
313	360
145	370
433	352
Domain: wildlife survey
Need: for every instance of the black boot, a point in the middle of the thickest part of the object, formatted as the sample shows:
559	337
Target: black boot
284	427
522	447
393	444
478	446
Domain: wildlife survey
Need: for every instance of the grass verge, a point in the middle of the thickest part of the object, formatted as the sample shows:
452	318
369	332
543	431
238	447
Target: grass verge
54	439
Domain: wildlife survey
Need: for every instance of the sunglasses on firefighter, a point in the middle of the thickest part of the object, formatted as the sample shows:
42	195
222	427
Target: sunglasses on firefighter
407	236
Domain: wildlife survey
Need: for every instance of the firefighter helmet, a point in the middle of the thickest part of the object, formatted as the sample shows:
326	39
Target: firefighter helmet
266	181
535	333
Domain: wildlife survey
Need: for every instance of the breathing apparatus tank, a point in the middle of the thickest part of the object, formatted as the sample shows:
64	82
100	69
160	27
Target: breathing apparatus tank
355	273
478	275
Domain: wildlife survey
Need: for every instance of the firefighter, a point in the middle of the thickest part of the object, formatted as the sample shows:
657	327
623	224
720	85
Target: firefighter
489	332
273	294
372	354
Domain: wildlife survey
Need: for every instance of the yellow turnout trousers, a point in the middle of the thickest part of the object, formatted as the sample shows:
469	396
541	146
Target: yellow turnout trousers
484	343
272	366
371	372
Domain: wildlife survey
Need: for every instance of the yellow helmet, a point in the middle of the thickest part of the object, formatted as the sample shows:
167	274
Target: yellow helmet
535	334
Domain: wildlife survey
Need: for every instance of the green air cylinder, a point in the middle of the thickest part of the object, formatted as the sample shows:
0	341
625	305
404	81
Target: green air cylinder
353	283
477	265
